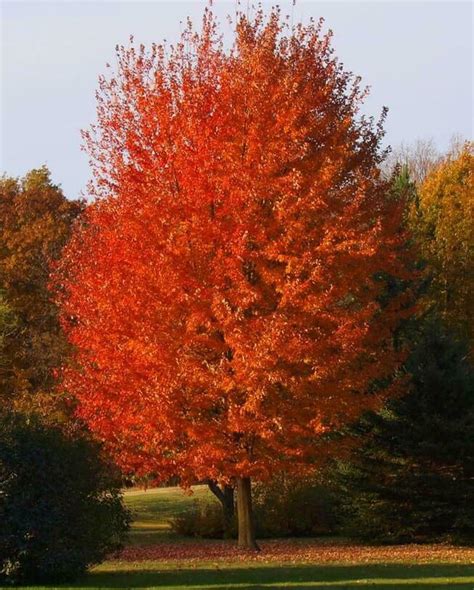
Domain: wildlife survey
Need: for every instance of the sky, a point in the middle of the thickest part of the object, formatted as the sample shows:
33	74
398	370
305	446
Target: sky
416	56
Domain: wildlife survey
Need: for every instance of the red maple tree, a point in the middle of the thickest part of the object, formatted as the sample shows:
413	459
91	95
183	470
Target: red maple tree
225	291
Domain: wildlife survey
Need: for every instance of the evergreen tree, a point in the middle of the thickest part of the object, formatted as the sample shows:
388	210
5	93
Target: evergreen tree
413	477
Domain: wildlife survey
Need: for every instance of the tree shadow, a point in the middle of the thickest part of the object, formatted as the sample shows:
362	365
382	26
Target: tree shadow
330	577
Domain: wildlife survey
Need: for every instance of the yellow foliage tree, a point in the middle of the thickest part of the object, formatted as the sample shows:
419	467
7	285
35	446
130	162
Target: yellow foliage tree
443	217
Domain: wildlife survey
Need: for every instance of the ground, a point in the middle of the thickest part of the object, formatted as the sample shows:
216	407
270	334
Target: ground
156	558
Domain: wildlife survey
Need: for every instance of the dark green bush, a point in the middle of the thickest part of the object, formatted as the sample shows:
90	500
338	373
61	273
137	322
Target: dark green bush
292	507
60	503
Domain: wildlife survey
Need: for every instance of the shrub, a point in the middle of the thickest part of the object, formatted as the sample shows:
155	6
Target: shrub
204	519
290	507
60	503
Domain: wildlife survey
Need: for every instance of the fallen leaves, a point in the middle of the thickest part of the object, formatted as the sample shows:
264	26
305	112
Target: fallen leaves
297	551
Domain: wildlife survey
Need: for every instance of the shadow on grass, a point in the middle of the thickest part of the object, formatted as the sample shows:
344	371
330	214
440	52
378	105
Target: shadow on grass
334	577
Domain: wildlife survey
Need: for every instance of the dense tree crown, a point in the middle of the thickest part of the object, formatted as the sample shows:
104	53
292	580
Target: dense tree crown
35	223
443	222
225	294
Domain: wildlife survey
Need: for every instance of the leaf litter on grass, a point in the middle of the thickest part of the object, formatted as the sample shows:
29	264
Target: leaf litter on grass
291	551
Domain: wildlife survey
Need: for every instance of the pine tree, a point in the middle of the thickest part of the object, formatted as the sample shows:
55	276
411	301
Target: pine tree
412	478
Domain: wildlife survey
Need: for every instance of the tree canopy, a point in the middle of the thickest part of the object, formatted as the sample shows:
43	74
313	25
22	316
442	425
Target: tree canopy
35	221
443	222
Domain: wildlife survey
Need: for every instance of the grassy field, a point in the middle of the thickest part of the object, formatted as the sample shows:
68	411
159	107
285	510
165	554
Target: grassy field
156	558
153	509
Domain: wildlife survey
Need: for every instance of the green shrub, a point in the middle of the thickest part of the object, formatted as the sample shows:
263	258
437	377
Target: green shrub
292	507
204	519
60	503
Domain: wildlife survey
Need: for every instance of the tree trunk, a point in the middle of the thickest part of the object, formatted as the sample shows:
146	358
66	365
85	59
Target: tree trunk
225	495
245	515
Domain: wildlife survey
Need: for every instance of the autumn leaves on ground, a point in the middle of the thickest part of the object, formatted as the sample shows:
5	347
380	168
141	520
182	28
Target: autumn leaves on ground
256	300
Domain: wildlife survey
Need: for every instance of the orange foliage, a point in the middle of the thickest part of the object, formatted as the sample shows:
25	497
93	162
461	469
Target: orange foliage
225	293
35	223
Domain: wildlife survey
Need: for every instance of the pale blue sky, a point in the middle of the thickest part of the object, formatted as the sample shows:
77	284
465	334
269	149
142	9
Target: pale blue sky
416	56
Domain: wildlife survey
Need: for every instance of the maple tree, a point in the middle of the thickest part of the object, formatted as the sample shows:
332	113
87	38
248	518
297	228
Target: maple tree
225	293
35	222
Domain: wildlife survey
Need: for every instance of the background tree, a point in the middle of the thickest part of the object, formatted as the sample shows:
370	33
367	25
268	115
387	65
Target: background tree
411	478
419	158
35	222
443	223
225	295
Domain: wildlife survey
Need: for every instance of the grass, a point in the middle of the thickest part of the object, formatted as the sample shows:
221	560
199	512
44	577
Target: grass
303	577
153	509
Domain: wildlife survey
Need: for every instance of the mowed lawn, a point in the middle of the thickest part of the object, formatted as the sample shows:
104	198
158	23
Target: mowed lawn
157	558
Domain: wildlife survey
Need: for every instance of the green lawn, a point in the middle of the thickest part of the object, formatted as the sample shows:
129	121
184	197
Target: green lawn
160	504
153	509
340	577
